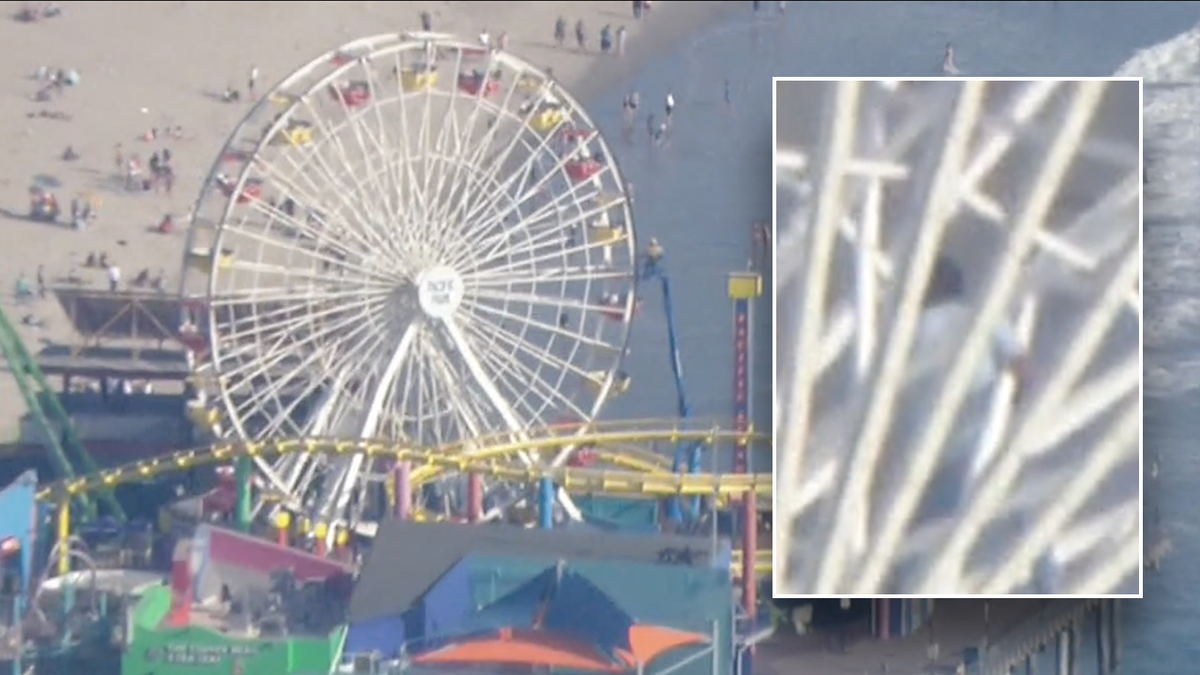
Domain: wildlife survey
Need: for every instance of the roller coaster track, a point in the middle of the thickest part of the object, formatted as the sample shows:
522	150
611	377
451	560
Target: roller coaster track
638	472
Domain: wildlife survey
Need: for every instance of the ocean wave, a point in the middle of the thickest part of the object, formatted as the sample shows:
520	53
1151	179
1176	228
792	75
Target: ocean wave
1171	109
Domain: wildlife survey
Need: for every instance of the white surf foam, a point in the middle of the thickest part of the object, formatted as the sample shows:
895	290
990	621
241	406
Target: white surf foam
1172	241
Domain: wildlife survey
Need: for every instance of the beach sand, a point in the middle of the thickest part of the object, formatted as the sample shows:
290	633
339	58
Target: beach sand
162	64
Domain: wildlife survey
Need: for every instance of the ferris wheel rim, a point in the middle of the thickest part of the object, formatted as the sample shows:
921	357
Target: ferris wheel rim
372	49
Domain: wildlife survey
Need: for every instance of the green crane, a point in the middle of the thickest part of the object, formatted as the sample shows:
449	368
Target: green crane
66	448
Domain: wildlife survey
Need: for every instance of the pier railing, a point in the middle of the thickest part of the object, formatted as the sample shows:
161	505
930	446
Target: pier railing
1027	638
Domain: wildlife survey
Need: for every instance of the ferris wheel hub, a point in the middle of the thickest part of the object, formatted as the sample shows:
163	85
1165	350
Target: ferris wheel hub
439	291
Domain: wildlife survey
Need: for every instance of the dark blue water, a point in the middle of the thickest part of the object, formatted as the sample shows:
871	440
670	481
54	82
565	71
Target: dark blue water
699	195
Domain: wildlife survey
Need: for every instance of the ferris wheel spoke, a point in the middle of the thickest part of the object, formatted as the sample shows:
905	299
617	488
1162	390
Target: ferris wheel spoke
314	192
503	315
500	405
575	193
449	393
534	300
507	371
286	323
320	244
385	384
522	343
549	276
276	359
330	215
526	378
471	210
460	174
300	274
493	246
319	209
529	257
354	194
481	377
372	192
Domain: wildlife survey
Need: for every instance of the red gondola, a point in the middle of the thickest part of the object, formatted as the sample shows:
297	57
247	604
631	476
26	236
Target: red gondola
250	191
194	342
583	458
352	95
475	84
576	134
583	169
614	307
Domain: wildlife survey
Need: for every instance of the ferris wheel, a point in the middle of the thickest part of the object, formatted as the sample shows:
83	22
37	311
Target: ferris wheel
958	401
416	238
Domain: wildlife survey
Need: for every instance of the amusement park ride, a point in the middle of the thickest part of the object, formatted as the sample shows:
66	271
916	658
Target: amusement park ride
1036	196
420	318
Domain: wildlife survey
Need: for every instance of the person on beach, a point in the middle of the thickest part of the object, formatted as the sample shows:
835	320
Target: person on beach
948	65
728	95
606	44
426	21
622	35
485	39
252	81
560	32
638	5
669	105
580	36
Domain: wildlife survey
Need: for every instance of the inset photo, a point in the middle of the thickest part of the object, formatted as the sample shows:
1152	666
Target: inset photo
958	337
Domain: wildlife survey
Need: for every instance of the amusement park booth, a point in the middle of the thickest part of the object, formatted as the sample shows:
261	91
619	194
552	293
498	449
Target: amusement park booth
444	595
241	605
18	520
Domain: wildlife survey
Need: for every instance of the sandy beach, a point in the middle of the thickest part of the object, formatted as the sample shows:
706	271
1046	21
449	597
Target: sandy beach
145	65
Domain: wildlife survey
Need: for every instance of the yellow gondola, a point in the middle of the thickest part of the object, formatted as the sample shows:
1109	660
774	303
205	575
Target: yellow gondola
548	117
202	259
529	83
416	78
295	133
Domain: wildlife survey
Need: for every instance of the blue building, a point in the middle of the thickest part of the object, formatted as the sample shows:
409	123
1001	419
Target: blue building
496	597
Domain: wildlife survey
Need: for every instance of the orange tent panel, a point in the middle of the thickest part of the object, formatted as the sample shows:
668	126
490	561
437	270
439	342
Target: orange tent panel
524	648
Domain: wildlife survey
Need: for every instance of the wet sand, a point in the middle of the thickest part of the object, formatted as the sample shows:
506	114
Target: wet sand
163	64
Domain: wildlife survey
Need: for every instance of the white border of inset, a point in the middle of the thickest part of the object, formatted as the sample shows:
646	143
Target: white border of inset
776	561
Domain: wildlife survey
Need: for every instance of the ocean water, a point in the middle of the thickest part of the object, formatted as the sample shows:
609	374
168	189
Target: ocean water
700	193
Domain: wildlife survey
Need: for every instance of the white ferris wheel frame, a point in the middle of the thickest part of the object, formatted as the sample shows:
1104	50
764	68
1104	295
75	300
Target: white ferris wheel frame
307	84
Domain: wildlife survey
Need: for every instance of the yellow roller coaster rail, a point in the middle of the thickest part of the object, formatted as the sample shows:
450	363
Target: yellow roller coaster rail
639	472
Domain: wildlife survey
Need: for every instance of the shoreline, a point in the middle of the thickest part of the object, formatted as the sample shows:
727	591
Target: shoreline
141	66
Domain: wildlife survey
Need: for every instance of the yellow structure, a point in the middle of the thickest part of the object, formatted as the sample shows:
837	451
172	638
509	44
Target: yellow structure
636	471
745	285
202	259
418	78
548	117
296	133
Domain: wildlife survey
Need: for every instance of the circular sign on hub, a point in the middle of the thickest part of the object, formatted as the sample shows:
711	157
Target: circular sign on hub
440	291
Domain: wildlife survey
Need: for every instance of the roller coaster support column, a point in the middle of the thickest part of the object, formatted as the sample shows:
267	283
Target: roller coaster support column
63	536
744	289
749	577
474	497
546	495
404	495
244	475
